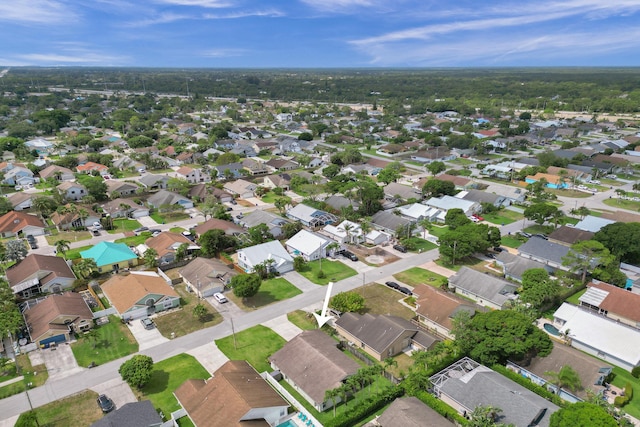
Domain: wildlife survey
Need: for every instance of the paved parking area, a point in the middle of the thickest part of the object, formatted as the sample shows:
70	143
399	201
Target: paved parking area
60	362
146	338
118	390
209	356
283	327
227	310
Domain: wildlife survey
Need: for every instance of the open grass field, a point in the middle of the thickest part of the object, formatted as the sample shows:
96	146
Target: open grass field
621	379
510	242
167	376
182	322
438	231
122	225
254	345
416	244
303	320
77	410
573	299
165	218
380	299
69	236
503	216
465	262
271	290
419	276
112	341
134	240
622	204
333	271
271	197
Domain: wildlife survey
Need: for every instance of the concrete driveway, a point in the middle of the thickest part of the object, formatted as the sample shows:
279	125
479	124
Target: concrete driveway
116	389
147	221
209	356
60	362
146	338
228	310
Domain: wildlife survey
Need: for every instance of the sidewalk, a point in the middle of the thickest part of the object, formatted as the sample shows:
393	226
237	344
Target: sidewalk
299	281
283	327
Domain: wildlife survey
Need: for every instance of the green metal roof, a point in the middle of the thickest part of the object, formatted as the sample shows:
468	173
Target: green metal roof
107	253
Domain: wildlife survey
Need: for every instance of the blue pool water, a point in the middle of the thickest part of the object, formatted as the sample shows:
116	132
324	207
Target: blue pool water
288	423
551	329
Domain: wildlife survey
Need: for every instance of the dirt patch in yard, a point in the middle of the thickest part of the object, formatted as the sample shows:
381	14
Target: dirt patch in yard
376	256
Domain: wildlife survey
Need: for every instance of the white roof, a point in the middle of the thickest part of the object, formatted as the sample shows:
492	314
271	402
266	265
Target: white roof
303	212
340	230
593	223
449	202
594	296
307	242
415	210
257	254
600	333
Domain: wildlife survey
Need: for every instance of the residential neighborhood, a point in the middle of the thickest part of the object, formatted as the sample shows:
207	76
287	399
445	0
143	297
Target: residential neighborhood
304	264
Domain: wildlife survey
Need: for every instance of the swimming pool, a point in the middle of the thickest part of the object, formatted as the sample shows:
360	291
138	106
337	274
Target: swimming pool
288	423
551	329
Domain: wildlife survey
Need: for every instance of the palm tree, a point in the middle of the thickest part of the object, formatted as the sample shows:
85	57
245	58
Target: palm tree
332	395
83	214
150	258
62	246
389	362
181	252
85	267
565	377
332	247
621	193
43	205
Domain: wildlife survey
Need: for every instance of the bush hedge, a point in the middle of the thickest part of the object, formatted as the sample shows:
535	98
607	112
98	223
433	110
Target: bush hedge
366	407
530	385
620	401
442	408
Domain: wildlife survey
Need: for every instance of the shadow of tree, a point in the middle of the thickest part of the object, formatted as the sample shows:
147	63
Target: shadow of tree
157	383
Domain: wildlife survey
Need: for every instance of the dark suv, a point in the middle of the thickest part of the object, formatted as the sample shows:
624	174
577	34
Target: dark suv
350	255
400	248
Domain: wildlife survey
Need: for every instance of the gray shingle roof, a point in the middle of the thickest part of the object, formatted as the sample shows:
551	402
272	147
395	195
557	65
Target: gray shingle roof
377	332
135	414
411	412
484	285
544	249
514	266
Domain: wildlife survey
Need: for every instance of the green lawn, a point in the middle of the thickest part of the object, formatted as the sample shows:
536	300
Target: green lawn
183	322
177	229
36	375
622	204
468	262
303	320
122	225
333	270
511	242
113	341
533	229
418	276
437	230
416	244
621	379
271	290
573	299
502	217
254	345
461	161
69	236
134	240
165	218
75	253
167	376
271	197
77	410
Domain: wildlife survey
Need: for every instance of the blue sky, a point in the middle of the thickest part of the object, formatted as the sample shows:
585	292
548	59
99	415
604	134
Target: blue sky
320	33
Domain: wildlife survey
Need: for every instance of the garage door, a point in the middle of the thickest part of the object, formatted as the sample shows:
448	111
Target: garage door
45	343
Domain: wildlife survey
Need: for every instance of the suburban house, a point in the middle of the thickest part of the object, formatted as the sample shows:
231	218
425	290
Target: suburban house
192	175
56	318
71	218
282	165
435	309
310	216
382	336
228	227
612	302
482	197
375	237
337	202
154	182
593	223
486	289
432	154
15	174
310	246
312	364
89	167
599	336
229	171
552	181
111	256
139	294
346	232
166	244
255	167
390	223
460	182
410	412
417	212
236	395
203	191
121	188
164	198
466	384
514	266
569	235
545	252
445	203
269	252
41	145
257	217
127	163
513	195
400	192
56	172
20	224
244	189
21	200
125	208
132	414
206	276
72	190
277	181
40	274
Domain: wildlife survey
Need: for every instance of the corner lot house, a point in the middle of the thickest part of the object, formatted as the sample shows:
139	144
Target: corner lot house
249	257
55	318
601	337
139	294
111	256
236	395
206	276
324	367
40	274
20	224
467	384
382	336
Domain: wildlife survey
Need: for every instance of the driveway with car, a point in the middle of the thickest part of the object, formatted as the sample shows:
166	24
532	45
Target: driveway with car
118	390
146	338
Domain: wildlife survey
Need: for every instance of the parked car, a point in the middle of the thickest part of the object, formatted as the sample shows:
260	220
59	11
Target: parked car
350	255
220	298
393	285
105	403
478	217
498	249
97	225
189	236
473	218
541	236
400	248
140	230
147	323
95	232
30	238
524	234
33	245
405	291
233	202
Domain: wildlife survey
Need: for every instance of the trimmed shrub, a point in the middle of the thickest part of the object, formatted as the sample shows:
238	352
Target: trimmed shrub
530	385
442	408
620	401
636	372
366	407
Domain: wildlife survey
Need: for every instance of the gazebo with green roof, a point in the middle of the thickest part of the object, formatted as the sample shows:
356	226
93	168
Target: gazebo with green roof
111	256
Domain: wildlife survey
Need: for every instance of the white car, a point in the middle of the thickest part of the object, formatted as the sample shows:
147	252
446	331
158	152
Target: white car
97	225
220	298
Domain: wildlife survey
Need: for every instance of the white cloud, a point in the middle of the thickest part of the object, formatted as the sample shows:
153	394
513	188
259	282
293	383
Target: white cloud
163	18
35	12
211	4
70	53
343	6
271	13
224	52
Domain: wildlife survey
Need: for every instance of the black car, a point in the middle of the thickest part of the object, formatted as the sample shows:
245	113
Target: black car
393	285
140	230
541	236
95	232
400	248
105	403
33	245
30	238
404	290
350	255
524	234
498	249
